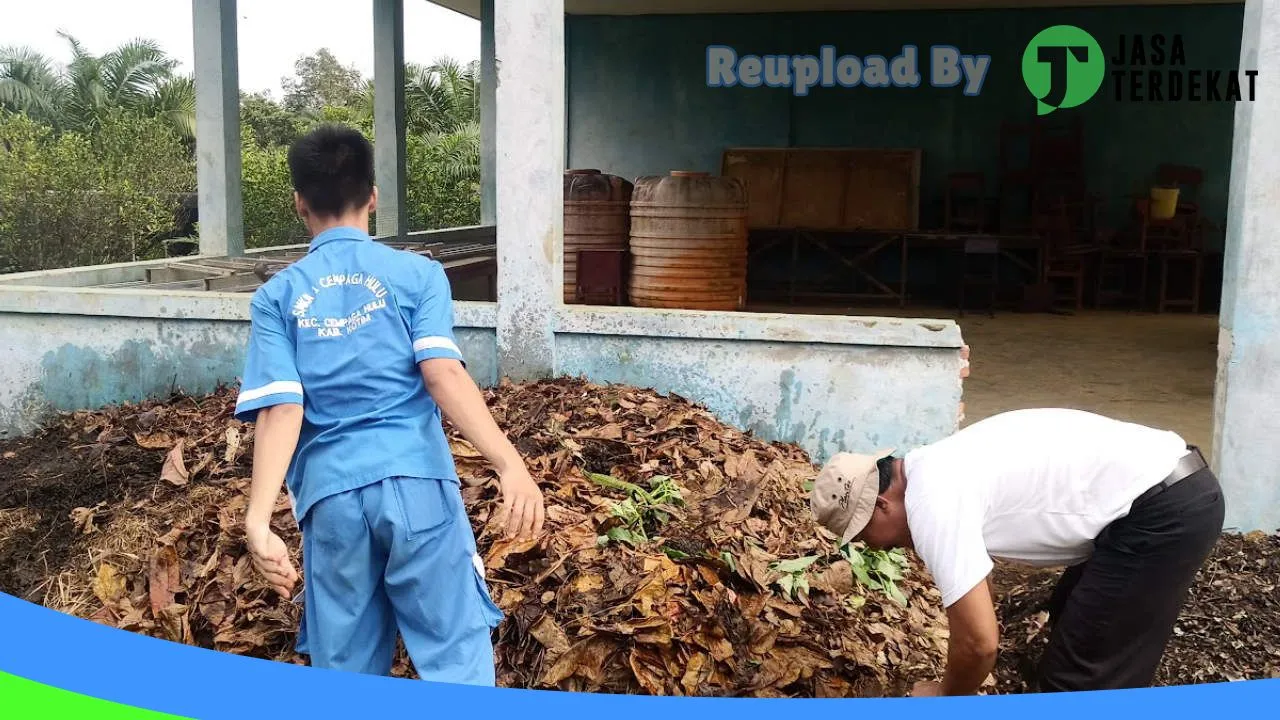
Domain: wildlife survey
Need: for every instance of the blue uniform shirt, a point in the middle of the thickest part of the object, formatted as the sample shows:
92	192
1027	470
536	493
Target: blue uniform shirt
341	331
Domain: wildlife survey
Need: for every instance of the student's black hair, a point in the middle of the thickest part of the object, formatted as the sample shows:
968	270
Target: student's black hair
885	467
332	169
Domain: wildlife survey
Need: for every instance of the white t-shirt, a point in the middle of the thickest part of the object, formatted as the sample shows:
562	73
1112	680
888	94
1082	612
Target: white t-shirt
1031	486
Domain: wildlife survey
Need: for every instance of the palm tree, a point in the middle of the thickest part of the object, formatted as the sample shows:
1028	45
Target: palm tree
459	153
136	77
439	98
30	83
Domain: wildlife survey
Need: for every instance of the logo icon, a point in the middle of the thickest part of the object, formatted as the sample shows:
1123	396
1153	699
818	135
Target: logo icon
1063	67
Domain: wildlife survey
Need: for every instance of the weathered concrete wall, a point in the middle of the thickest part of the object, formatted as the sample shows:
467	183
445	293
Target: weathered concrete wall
829	383
1246	416
63	349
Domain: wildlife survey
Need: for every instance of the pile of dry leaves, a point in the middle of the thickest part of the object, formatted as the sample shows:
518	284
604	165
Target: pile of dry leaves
680	555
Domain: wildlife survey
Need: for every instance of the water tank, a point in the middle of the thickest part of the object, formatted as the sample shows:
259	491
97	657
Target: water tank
689	242
595	218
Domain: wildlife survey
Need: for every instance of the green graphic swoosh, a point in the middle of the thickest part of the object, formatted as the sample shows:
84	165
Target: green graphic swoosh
22	699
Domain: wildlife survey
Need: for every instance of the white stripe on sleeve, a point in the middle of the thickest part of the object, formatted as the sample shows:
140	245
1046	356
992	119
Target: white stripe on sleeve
272	388
435	343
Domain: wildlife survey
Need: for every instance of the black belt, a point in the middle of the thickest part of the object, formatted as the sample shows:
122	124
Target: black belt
1188	465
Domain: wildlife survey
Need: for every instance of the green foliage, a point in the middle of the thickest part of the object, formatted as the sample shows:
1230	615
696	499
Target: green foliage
320	82
96	155
136	77
643	511
271	124
794	580
79	199
443	189
878	570
267	193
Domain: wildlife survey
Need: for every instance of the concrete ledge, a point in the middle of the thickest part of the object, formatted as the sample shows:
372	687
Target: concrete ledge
87	275
124	302
170	304
766	327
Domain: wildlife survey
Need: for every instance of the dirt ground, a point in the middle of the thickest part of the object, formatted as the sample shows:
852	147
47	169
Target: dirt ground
1152	369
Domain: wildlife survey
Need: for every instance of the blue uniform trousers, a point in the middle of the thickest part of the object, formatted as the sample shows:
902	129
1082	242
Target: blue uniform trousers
397	555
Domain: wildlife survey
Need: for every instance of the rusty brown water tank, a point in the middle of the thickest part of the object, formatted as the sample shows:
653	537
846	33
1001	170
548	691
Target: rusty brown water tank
689	242
596	209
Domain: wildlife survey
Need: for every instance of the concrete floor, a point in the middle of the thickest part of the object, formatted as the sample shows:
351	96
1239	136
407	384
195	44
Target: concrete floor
1157	370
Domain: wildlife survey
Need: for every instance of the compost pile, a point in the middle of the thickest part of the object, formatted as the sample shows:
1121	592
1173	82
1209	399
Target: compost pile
679	557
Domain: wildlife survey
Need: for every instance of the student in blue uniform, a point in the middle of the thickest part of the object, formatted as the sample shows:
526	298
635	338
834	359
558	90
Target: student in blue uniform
351	362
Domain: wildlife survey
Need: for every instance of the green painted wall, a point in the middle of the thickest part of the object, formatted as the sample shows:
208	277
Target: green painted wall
639	104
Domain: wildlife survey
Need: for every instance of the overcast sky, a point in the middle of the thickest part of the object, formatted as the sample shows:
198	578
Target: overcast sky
273	33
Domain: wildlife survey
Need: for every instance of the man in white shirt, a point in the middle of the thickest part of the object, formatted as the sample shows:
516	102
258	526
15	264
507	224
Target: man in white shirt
1131	511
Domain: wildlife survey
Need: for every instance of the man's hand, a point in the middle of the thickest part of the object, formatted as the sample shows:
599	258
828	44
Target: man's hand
926	688
522	507
271	558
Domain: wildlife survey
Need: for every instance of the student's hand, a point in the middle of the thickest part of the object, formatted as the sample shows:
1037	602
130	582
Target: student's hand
522	508
271	558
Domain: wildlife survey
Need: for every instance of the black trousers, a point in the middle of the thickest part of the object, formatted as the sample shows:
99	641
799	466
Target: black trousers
1111	617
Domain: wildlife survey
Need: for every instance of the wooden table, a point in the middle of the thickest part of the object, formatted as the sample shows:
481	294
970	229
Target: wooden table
868	244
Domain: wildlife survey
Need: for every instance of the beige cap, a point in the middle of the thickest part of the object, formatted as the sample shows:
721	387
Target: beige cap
844	495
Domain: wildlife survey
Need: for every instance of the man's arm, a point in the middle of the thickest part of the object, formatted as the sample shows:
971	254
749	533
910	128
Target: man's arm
974	643
946	531
460	400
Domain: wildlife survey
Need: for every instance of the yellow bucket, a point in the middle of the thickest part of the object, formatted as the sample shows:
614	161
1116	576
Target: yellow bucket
1164	202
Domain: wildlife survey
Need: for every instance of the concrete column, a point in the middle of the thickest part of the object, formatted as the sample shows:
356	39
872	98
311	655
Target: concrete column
217	79
529	55
388	117
488	122
1246	452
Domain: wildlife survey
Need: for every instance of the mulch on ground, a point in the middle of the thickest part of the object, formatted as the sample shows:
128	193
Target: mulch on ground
680	556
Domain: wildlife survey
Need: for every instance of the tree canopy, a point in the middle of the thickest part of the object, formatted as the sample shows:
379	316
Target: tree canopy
96	154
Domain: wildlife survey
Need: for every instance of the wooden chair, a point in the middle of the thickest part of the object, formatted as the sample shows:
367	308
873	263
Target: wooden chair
964	202
1067	255
601	277
1174	242
1118	254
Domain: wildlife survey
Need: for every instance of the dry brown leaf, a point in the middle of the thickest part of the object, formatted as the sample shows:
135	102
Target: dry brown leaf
83	518
174	470
232	438
156	441
551	635
163	579
612	431
585	659
108	586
